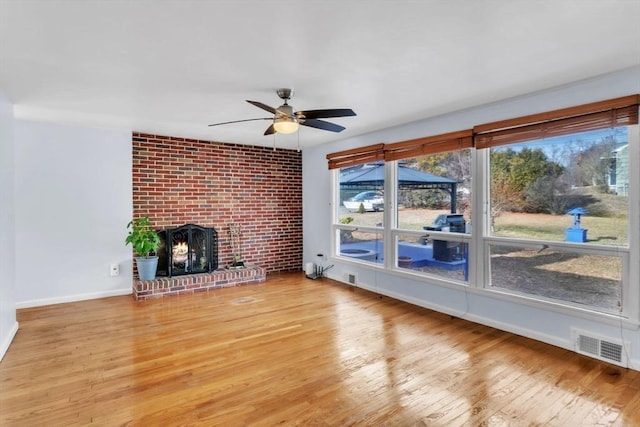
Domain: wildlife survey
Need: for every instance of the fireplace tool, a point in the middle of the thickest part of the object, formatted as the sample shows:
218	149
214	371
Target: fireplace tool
234	239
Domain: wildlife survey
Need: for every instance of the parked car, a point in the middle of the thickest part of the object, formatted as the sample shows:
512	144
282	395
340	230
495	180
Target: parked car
372	201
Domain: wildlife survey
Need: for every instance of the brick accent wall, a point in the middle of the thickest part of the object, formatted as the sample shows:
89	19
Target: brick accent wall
179	180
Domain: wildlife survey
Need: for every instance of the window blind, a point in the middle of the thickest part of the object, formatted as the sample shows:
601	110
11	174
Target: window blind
598	115
356	156
402	150
429	145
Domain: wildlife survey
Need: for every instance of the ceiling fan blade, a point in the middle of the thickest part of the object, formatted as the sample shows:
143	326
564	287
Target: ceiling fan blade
321	124
323	114
240	121
263	106
270	130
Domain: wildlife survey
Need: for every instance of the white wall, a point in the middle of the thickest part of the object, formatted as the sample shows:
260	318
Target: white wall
8	324
73	199
536	322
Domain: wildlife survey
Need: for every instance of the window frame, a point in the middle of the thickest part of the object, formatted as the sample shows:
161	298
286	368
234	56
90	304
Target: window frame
480	239
630	295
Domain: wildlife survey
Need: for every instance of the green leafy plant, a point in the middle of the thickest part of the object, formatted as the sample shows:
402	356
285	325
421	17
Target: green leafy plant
346	220
142	237
346	235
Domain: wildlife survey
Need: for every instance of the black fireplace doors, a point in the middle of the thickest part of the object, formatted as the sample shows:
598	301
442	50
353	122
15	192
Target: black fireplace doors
188	249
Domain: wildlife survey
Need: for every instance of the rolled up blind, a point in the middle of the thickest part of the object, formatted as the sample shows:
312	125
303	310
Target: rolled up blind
598	115
429	145
356	156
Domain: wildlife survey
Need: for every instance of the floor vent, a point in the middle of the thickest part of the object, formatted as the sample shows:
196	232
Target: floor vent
612	351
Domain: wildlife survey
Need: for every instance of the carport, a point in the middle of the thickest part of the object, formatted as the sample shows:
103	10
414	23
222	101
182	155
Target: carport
370	176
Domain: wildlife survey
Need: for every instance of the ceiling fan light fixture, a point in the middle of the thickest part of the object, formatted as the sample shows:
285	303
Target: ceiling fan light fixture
286	120
285	124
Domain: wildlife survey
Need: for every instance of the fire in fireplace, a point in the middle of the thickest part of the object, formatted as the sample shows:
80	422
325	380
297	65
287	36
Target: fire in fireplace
188	249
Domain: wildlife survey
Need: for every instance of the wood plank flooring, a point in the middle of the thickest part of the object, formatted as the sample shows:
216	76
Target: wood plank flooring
293	351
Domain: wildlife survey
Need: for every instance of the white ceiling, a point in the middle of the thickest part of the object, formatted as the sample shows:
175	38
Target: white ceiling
173	67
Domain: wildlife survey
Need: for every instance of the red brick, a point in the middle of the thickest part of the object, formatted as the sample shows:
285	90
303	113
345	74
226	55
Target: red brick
179	180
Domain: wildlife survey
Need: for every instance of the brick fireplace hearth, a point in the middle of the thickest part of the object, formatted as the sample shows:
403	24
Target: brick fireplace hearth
180	285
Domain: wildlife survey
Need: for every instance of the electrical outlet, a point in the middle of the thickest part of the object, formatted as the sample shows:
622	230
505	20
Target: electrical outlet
351	278
115	269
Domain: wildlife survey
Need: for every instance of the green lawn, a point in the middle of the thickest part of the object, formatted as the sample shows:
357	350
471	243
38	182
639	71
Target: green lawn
605	222
601	230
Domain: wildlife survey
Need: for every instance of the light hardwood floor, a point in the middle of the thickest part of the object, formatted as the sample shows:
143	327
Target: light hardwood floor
293	351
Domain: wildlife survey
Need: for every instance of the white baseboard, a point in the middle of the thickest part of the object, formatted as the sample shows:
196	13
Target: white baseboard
8	339
566	344
72	298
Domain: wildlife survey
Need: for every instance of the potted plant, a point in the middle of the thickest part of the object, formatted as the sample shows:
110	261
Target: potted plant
144	241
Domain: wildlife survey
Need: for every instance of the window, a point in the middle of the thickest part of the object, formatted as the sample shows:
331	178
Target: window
580	278
361	212
430	185
569	188
558	204
360	244
547	218
434	199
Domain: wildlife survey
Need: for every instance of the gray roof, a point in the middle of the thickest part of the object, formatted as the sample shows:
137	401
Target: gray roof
371	175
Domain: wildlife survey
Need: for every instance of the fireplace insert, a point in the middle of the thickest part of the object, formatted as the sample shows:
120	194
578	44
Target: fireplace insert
188	249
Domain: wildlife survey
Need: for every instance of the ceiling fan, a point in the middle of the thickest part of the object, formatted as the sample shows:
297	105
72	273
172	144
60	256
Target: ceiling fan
286	120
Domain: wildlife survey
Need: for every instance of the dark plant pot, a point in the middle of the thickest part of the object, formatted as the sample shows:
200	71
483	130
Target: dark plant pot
147	267
404	261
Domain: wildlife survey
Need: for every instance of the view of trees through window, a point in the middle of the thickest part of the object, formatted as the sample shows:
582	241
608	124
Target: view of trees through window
535	184
441	185
570	189
556	217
